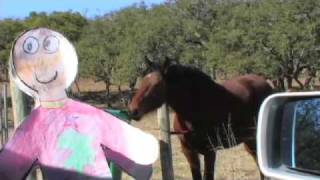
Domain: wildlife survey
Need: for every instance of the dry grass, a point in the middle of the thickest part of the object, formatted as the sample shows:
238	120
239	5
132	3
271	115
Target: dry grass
245	168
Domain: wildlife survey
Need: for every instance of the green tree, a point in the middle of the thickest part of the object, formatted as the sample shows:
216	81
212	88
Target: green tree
9	30
71	24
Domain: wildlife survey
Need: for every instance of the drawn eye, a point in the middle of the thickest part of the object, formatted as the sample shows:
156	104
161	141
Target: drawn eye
51	44
31	45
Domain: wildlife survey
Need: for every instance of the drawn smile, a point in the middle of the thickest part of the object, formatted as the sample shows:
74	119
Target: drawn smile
48	81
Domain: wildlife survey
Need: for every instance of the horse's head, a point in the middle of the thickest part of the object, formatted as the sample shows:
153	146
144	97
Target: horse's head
149	96
152	90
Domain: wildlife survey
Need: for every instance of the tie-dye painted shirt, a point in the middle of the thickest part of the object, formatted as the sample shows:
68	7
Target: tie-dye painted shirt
69	143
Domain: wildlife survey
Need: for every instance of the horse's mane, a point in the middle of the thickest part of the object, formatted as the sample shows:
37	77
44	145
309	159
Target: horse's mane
194	85
188	74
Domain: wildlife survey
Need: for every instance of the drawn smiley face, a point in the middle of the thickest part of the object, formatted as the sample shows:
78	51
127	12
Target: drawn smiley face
43	59
50	45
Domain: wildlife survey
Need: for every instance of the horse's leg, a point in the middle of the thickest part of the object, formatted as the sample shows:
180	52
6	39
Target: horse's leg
194	162
192	156
209	159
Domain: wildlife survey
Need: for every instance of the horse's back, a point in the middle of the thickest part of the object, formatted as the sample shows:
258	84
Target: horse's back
249	91
250	88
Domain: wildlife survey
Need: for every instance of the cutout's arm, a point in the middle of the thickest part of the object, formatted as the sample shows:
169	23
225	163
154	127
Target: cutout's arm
17	157
138	171
132	149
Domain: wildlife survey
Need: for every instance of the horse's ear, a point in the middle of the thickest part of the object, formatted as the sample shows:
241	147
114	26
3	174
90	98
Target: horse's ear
167	63
148	62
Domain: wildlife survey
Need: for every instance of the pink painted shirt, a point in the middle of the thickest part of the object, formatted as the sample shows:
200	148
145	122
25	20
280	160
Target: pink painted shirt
74	139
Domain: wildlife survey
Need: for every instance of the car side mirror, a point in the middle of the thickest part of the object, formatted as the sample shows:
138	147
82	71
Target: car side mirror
288	136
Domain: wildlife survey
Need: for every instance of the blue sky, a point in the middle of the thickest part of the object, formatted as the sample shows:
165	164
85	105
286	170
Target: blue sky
89	8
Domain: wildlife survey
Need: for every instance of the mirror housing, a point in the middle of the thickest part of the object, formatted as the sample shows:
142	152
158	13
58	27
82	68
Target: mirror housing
276	130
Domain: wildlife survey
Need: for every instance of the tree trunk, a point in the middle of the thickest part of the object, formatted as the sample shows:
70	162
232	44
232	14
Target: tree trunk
121	96
299	83
310	80
280	84
108	93
6	74
289	82
213	73
76	82
132	84
119	89
309	83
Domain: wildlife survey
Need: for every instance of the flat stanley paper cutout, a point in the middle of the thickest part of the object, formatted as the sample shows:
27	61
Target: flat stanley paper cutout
66	138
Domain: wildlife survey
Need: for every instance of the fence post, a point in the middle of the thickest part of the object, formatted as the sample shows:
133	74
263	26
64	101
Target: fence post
1	121
20	111
165	143
19	104
5	127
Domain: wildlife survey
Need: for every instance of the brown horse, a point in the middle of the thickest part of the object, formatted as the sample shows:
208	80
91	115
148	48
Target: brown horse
201	108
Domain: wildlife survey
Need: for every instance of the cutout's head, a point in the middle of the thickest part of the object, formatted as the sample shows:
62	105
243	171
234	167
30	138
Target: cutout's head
43	62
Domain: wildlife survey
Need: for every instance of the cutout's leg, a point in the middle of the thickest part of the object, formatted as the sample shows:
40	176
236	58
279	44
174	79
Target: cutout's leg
209	159
194	162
